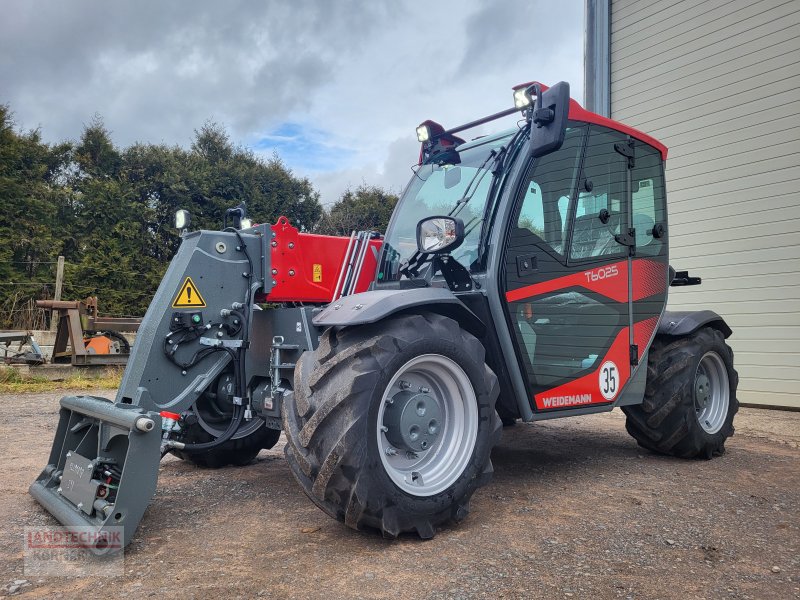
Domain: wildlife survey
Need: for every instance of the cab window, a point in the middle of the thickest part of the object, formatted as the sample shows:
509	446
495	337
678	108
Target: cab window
649	205
600	209
548	188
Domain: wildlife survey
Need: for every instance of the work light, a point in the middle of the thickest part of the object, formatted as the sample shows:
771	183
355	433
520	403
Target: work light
423	133
182	219
521	98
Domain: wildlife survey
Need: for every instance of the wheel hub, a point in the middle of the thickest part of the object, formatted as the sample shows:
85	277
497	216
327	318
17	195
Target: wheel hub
711	392
412	421
702	391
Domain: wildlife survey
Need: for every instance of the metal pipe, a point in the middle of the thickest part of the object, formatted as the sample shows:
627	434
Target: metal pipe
130	418
348	277
360	262
481	121
344	265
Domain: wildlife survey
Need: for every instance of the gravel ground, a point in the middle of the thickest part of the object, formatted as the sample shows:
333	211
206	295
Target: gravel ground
576	510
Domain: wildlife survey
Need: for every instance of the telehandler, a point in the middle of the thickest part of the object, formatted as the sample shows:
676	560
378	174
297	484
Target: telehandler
523	275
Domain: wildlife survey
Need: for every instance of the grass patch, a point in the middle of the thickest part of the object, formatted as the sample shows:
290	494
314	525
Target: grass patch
14	382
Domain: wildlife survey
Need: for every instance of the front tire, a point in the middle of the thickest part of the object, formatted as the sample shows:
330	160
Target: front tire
391	424
690	398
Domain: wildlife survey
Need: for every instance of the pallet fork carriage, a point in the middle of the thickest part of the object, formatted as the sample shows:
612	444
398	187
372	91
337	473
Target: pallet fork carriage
523	275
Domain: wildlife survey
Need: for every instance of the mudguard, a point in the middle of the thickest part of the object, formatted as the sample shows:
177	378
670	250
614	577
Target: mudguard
683	322
373	306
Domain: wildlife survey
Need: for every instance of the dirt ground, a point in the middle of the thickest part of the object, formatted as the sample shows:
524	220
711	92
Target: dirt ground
576	510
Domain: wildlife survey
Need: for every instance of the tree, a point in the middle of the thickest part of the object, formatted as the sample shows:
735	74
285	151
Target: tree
32	203
367	208
109	210
219	175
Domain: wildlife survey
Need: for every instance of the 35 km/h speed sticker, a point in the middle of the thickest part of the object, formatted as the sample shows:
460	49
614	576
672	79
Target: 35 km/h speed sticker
609	380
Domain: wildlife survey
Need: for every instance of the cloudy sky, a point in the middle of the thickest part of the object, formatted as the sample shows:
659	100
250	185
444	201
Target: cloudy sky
335	87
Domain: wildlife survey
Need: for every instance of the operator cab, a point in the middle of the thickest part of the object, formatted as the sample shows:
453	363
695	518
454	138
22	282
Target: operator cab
564	244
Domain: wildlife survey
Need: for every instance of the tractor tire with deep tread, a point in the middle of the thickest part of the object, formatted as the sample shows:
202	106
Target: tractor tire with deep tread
236	452
667	420
331	421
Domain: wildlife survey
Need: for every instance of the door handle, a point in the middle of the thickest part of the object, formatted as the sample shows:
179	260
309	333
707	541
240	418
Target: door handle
526	264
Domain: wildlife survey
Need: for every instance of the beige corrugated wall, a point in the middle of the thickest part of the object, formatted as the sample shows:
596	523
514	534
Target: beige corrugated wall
718	82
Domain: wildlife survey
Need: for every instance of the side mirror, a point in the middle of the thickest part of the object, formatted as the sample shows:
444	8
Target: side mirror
182	219
549	118
436	235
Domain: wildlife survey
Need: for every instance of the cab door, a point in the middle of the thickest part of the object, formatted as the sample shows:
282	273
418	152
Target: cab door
567	264
650	260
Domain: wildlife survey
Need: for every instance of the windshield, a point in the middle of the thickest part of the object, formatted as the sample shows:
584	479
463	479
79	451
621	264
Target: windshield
436	190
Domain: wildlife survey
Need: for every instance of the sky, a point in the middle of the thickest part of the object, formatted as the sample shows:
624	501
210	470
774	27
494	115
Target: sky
335	88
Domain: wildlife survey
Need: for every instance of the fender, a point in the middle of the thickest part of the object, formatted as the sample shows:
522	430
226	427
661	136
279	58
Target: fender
373	306
682	322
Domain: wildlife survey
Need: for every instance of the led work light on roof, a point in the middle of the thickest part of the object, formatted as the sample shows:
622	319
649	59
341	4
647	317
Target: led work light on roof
521	98
428	130
423	133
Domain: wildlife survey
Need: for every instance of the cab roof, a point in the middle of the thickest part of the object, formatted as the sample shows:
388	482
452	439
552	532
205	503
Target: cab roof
578	113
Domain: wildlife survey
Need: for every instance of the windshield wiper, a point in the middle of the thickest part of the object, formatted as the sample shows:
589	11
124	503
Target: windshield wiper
499	166
412	266
480	173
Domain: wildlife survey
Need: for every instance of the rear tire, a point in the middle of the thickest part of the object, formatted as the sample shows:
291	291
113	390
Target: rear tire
690	398
337	450
236	452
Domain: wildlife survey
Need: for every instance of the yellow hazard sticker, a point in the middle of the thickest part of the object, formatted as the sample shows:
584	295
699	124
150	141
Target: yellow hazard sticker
317	273
189	296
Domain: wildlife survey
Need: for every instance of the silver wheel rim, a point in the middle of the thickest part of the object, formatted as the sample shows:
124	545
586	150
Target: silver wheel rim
711	392
429	472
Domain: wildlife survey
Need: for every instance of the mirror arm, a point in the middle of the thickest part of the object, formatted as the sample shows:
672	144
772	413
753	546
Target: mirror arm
412	266
543	116
455	274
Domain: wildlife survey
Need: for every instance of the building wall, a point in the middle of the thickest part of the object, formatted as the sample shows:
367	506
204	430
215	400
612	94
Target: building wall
718	82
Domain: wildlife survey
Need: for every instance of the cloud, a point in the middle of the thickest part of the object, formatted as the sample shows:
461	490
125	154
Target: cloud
307	149
392	171
347	81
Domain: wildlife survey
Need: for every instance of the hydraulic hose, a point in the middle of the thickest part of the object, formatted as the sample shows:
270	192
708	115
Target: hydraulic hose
238	415
236	420
239	378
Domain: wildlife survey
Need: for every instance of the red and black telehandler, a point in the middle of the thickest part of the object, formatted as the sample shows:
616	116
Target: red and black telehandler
523	275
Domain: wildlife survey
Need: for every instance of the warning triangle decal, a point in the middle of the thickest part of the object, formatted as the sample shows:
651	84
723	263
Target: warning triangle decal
189	296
